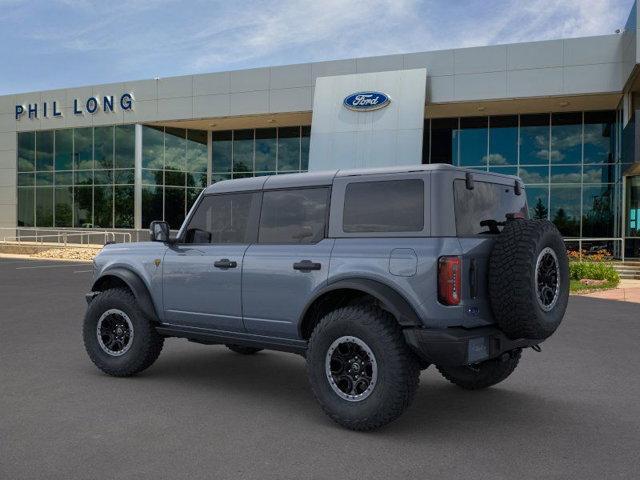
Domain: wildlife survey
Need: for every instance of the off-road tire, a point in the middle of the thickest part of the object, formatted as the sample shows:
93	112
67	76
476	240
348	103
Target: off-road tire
513	291
482	375
398	368
241	349
146	344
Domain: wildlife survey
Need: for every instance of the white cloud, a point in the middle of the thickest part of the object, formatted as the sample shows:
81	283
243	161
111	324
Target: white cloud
144	38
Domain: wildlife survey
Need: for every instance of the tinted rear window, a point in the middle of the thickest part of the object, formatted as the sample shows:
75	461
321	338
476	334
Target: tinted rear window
486	202
386	206
294	216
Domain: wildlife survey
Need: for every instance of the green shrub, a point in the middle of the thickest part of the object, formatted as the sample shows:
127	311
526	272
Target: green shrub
593	271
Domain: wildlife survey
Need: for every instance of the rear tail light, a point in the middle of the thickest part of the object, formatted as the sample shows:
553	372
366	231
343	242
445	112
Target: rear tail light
449	274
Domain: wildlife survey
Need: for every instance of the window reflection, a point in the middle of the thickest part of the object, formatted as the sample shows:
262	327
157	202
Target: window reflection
222	151
566	160
75	177
26	205
242	151
472	140
289	149
538	201
534	139
503	140
174	164
266	146
565	209
443	141
571	174
597	211
83	148
599	141
63	159
44	150
534	174
175	149
26	151
566	138
103	147
44	207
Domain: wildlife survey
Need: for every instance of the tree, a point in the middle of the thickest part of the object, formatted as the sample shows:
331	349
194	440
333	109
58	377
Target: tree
540	212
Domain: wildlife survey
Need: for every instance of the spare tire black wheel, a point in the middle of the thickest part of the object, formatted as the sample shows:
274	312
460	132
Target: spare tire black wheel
529	279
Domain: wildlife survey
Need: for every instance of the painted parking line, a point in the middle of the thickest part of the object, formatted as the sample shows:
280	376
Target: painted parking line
59	265
83	271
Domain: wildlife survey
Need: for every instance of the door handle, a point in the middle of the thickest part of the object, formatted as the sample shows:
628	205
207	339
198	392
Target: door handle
225	263
306	266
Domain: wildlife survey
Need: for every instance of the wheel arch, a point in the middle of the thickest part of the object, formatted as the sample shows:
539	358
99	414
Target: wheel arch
123	277
346	291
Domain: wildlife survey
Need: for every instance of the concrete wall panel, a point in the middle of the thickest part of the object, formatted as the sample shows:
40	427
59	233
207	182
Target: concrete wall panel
249	80
540	81
290	100
480	59
211	83
437	63
480	86
291	76
535	55
247	103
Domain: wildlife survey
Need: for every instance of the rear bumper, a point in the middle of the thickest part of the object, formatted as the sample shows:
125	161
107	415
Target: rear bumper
461	346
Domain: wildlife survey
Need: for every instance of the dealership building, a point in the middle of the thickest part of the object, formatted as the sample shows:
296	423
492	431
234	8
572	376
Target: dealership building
558	113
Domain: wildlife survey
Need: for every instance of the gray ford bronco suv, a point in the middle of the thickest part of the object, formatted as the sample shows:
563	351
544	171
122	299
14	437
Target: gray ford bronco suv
371	275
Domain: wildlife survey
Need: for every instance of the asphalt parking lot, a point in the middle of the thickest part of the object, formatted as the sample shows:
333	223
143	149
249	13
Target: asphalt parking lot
572	411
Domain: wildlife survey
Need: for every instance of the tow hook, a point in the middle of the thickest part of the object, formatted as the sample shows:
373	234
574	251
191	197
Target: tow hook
536	348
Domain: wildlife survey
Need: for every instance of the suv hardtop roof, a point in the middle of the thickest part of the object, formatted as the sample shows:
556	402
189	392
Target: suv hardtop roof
325	178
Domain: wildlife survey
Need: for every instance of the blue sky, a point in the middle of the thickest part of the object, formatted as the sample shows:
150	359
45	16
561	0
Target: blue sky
47	44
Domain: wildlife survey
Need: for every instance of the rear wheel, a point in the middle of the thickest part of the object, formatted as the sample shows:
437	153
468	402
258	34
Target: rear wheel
482	375
118	337
361	371
242	349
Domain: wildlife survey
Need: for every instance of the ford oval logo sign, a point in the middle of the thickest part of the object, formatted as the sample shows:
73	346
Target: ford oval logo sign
366	101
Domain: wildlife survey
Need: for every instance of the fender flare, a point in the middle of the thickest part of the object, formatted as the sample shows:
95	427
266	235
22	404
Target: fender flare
135	284
390	299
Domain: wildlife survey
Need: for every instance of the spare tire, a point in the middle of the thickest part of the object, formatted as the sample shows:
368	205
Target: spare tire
529	279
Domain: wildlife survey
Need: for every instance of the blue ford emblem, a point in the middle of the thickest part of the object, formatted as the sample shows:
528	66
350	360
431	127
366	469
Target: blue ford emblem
366	101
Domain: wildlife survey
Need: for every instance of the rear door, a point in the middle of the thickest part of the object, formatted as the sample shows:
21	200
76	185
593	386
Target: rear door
289	261
202	276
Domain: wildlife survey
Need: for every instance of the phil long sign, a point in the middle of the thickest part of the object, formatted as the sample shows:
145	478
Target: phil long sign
91	105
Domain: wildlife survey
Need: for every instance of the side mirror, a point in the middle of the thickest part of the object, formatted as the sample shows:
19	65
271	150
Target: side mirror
159	231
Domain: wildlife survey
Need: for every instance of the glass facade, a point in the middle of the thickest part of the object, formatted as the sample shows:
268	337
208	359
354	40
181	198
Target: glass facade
174	172
568	161
85	177
80	177
262	151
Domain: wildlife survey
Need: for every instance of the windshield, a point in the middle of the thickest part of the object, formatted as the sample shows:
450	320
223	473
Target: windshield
483	210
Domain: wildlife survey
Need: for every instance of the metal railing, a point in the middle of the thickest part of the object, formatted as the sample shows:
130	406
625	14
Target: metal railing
82	238
617	253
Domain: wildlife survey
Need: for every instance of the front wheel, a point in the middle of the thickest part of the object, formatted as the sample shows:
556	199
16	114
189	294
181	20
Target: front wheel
484	374
361	371
118	337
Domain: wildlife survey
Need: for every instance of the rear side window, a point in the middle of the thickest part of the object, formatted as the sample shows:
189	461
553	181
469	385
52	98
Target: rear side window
294	216
484	209
228	218
385	206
